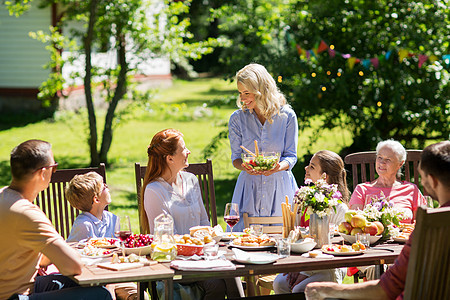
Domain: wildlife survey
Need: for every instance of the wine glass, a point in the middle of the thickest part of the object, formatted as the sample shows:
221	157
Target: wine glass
231	215
123	230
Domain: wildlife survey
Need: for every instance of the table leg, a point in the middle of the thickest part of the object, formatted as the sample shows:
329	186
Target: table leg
168	286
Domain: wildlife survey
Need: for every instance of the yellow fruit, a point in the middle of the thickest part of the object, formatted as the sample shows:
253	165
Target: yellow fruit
164	247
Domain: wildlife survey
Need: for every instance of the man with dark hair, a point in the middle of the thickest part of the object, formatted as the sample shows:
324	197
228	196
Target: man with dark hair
434	169
27	233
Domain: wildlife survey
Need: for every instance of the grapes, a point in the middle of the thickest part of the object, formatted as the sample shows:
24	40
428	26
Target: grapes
138	240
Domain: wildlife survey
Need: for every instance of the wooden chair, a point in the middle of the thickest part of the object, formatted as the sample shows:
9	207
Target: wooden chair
53	200
265	283
363	166
429	261
204	173
266	222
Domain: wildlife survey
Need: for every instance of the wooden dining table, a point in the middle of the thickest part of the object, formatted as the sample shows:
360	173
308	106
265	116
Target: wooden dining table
379	254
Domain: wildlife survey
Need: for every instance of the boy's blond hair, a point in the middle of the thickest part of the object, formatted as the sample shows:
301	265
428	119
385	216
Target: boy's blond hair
82	188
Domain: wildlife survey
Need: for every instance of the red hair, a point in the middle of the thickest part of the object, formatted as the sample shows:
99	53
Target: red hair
163	143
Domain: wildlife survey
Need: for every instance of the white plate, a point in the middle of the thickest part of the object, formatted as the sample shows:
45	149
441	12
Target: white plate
254	258
96	256
250	247
400	240
114	245
343	253
226	236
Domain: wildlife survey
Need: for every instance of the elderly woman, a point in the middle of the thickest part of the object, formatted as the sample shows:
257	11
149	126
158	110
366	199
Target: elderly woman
391	156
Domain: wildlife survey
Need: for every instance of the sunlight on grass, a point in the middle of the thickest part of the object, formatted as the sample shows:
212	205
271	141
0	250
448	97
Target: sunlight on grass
68	134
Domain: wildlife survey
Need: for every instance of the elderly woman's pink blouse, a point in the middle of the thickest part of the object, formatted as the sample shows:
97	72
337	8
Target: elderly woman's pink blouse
405	196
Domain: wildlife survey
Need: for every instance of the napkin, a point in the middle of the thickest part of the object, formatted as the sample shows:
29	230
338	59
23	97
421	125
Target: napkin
202	265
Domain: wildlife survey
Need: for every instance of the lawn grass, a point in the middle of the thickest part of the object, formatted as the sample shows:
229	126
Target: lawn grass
184	99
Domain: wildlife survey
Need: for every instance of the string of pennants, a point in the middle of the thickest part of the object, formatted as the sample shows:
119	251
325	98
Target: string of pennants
367	62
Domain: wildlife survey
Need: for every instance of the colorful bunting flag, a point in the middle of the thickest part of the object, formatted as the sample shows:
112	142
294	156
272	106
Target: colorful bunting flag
366	63
402	54
375	61
351	62
422	58
331	52
322	47
299	49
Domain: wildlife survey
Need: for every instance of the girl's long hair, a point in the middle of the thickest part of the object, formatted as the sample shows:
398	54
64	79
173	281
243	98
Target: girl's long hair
258	81
332	164
164	143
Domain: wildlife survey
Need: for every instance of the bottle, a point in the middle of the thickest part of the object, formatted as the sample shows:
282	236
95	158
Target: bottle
164	248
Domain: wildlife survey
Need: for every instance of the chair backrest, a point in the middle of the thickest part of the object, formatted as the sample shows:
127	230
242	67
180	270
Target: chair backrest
363	166
53	200
204	173
267	222
429	261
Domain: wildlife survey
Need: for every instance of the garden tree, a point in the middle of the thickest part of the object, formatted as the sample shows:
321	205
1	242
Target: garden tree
396	99
134	30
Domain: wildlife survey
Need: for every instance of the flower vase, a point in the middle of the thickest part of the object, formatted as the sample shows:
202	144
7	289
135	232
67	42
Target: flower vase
319	228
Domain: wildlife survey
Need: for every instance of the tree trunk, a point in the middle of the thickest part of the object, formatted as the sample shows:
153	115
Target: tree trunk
118	95
95	159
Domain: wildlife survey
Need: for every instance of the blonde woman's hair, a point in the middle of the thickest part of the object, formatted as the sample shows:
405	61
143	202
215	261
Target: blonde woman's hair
258	81
81	190
164	143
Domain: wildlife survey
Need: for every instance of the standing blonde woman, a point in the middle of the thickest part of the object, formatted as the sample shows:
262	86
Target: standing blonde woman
263	116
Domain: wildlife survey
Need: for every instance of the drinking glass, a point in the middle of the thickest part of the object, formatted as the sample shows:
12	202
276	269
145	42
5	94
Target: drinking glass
283	247
231	215
333	230
364	238
429	201
123	230
257	229
210	250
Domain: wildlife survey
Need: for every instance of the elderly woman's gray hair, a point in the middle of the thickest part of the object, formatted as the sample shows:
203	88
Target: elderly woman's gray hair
394	146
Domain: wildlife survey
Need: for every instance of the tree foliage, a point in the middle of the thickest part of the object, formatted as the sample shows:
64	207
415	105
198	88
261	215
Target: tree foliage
133	30
396	100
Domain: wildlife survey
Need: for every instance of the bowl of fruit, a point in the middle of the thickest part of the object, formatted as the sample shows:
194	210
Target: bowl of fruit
139	244
188	245
263	161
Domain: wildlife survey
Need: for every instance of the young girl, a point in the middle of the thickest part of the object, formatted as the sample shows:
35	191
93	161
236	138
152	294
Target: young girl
329	164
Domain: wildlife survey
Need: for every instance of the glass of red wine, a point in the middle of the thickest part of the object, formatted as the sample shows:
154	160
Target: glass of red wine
231	215
123	230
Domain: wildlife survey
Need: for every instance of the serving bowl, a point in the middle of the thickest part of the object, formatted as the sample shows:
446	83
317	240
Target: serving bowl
352	239
265	161
189	250
303	245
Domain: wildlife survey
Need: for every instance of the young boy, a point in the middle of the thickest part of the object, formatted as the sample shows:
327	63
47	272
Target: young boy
89	194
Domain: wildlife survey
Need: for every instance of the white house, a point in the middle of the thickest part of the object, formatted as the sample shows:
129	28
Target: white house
22	58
